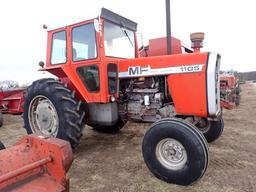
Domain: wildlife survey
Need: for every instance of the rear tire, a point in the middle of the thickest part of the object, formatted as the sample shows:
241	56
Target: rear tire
50	109
175	151
110	129
212	130
1	119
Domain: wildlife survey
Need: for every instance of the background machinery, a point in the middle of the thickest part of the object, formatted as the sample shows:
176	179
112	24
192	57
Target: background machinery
11	102
229	90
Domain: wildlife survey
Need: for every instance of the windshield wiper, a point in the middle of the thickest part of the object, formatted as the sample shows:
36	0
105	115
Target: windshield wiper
126	34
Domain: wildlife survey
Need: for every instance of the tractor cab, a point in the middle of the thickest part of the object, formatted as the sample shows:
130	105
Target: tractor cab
85	55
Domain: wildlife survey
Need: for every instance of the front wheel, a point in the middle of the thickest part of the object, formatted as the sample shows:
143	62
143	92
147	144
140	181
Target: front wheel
175	151
211	129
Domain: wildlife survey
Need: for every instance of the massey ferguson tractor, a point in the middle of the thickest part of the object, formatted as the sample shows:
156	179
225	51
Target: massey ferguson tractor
103	82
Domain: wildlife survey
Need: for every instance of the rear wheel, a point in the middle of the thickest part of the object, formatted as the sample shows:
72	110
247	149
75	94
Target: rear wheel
1	119
175	151
110	129
50	109
212	130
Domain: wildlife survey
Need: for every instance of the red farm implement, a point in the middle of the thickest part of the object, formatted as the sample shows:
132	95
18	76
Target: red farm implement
229	91
11	101
35	164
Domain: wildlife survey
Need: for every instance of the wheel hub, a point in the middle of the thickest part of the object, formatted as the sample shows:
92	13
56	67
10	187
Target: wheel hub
171	154
43	116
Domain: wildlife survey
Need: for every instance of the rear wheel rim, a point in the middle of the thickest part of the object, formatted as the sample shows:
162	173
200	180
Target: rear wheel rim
171	154
43	117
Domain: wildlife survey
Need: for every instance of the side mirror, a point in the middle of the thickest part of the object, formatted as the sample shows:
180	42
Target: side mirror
41	64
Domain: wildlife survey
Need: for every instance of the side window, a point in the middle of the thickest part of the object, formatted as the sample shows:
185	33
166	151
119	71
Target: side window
90	77
59	48
84	42
112	78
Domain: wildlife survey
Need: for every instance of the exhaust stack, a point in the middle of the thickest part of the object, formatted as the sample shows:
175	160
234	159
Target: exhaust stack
168	27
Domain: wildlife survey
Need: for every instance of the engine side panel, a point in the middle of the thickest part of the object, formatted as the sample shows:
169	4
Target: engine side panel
189	93
187	79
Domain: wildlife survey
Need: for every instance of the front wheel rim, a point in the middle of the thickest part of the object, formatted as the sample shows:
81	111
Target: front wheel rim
171	154
43	117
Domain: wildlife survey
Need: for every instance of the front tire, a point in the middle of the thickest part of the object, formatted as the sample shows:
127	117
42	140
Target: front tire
50	109
175	151
212	130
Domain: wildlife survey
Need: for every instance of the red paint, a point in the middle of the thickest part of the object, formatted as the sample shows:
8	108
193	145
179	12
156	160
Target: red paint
34	163
12	101
158	47
188	90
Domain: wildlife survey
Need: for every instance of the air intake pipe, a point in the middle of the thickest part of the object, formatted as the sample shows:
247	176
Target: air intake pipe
197	41
168	27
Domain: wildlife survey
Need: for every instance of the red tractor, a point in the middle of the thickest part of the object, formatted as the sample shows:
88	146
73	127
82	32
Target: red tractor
103	82
230	90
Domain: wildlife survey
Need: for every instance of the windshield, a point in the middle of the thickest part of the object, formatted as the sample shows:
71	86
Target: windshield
118	41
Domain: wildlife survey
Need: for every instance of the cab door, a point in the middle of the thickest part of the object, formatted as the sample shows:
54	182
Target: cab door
85	63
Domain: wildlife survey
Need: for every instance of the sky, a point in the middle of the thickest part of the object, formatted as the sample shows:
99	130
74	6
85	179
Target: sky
228	28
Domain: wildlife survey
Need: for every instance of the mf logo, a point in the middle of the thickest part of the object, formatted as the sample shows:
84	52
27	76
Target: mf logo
134	71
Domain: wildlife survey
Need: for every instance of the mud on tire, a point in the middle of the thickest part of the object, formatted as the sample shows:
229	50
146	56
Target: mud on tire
63	111
175	151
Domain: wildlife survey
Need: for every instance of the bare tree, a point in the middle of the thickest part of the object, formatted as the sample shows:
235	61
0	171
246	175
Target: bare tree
8	84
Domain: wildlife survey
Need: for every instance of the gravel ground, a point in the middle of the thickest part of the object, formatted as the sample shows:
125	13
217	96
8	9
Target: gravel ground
114	162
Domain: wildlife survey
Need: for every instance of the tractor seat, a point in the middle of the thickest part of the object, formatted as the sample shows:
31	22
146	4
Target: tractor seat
75	58
90	81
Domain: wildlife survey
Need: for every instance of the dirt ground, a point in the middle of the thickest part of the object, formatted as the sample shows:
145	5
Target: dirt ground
114	162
